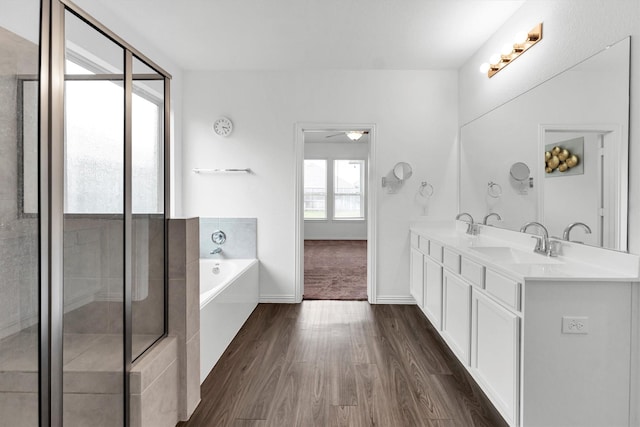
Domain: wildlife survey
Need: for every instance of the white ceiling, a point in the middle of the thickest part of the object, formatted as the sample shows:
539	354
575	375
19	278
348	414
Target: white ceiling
316	34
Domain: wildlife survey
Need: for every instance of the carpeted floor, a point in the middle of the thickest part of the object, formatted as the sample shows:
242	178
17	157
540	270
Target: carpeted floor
335	269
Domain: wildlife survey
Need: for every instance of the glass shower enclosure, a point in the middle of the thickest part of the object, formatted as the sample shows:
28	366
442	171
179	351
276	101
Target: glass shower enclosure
84	145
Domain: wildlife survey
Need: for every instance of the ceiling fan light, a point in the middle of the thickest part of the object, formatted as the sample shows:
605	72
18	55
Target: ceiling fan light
355	135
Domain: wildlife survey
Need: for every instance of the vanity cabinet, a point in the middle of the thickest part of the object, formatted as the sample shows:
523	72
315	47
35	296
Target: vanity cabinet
433	292
416	281
425	281
495	352
503	319
456	307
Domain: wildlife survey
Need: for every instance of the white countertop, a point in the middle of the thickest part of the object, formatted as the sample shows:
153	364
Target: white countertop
576	262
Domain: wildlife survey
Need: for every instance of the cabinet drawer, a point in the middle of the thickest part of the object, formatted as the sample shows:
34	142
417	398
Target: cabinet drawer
435	251
472	271
452	260
423	245
506	290
414	240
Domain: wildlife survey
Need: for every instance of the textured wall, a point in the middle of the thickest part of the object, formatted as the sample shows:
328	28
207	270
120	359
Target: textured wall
18	234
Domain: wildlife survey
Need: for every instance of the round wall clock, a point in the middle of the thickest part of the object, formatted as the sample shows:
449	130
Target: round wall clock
223	126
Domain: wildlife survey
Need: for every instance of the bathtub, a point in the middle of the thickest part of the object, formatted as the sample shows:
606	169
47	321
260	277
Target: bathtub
228	295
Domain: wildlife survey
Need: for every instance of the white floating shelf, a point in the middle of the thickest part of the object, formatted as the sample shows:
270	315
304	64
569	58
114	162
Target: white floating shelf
211	171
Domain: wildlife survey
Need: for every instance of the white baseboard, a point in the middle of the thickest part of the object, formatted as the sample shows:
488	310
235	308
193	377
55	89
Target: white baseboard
384	299
278	299
395	299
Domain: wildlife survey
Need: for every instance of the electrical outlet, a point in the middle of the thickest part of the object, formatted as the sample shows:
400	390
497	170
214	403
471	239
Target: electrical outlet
575	325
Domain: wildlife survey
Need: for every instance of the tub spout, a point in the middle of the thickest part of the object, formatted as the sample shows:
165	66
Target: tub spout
216	251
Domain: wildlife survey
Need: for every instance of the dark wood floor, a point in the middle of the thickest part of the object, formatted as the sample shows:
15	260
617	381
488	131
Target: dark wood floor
340	363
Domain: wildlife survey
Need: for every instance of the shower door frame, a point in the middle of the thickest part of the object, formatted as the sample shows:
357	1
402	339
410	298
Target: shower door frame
51	202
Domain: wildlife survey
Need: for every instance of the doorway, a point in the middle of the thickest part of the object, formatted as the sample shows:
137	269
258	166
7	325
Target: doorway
594	188
335	218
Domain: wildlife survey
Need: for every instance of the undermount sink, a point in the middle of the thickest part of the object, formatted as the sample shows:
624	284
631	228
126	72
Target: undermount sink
507	255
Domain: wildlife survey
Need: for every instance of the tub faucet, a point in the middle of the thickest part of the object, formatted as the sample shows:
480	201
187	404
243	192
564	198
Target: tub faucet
542	246
471	226
497	215
216	251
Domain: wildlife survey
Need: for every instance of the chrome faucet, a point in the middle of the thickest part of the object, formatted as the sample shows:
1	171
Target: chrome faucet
497	215
567	230
471	226
542	246
216	251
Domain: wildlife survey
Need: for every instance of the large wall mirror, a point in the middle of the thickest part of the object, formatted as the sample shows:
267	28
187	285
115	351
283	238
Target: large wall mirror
572	133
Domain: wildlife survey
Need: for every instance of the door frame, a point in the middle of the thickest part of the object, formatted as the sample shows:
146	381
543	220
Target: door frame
372	196
616	138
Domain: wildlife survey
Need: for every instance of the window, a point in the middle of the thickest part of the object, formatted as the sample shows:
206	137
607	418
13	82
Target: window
94	145
315	189
348	182
334	188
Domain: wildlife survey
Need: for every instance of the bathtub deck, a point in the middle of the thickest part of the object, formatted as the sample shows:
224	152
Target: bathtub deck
340	363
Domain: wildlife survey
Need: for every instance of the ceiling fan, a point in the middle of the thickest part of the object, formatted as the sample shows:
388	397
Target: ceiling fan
353	135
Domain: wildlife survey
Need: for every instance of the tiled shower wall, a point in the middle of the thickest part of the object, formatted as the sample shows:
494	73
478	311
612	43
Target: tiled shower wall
18	233
93	272
241	237
92	245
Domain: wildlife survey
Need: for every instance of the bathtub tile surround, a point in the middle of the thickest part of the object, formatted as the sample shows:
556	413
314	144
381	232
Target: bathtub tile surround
154	392
165	386
184	308
241	238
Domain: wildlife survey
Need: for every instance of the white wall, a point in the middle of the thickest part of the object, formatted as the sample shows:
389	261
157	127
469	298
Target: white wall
148	48
510	133
330	229
573	31
416	117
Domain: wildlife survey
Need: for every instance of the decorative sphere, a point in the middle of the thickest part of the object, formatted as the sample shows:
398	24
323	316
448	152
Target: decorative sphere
572	161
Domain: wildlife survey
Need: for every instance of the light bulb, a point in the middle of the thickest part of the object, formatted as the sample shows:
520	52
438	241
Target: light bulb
521	37
507	49
494	59
354	135
484	67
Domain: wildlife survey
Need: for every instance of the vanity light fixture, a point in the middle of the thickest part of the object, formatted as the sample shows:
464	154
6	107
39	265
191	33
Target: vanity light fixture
509	52
355	135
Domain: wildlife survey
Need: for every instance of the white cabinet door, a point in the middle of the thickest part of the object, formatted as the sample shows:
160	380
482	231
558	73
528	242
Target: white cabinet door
495	353
456	325
416	278
433	292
